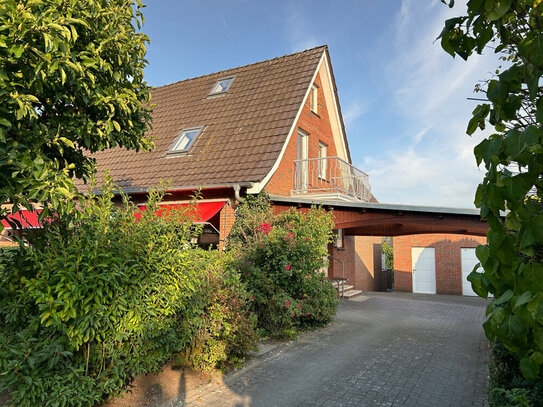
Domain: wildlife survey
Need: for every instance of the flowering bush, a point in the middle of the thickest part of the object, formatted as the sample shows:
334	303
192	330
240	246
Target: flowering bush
281	259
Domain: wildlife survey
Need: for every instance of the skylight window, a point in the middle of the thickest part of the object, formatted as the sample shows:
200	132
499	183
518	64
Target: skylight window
185	140
222	86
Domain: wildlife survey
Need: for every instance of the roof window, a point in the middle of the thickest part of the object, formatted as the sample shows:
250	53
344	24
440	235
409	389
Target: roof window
185	140
222	86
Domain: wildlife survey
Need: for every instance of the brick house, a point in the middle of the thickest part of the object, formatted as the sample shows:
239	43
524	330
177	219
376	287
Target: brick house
273	126
276	126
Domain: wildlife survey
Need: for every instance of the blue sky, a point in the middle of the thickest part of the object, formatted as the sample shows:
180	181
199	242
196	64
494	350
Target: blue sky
403	98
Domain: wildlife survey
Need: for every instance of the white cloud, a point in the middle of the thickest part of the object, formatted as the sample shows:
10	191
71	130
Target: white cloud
352	111
432	163
298	28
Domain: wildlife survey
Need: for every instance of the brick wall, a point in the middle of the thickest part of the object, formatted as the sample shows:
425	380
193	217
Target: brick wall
448	260
362	257
319	129
227	217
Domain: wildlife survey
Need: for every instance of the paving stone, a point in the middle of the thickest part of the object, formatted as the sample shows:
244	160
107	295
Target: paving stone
392	349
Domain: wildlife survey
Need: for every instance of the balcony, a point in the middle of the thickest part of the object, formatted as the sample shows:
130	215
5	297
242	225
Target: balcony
330	178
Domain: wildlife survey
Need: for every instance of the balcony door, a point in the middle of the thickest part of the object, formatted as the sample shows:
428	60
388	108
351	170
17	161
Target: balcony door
302	155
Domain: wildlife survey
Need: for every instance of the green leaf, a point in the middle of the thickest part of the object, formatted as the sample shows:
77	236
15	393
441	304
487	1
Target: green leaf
17	50
513	329
495	9
523	299
67	141
487	149
450	25
497	92
478	284
483	253
505	297
529	367
64	191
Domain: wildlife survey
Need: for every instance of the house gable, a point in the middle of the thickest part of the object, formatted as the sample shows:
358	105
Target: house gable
323	127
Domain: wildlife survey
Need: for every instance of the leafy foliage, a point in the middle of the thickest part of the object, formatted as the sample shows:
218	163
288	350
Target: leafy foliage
225	332
71	83
99	298
388	250
281	260
513	158
507	386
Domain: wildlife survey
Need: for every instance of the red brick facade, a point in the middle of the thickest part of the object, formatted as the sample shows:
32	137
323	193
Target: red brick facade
447	252
318	127
227	218
362	267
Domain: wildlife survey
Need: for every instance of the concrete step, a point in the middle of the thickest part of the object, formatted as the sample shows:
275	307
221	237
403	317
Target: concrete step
348	294
347	287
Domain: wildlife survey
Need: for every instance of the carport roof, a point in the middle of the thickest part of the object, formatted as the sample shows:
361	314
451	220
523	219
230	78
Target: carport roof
377	206
380	219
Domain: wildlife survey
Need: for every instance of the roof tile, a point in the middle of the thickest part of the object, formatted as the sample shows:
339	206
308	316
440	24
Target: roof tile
244	129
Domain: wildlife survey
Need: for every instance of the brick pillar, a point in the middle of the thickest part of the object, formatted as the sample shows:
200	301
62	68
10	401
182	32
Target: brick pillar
227	217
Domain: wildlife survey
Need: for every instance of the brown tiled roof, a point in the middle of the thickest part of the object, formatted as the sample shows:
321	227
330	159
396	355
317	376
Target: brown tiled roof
244	133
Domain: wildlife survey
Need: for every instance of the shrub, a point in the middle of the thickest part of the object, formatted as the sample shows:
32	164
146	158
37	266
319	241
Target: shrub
507	386
281	258
100	297
225	331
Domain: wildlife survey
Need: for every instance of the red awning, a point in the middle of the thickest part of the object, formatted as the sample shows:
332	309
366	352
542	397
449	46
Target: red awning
204	210
27	219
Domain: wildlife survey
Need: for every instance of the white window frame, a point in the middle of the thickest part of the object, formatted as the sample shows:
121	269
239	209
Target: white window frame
214	90
323	164
314	99
303	156
177	141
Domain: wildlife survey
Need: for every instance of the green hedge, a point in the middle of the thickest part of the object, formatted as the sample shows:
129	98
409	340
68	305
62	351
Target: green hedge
99	298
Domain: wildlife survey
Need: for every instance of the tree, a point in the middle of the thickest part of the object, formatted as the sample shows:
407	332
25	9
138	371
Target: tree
513	158
71	83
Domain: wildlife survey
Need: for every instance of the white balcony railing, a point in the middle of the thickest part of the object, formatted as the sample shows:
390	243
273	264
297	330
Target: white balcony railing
330	175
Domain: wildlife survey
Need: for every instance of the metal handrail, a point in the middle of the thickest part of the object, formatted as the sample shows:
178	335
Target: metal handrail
343	279
330	174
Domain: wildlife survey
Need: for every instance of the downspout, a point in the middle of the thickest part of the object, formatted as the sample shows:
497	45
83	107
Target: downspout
237	190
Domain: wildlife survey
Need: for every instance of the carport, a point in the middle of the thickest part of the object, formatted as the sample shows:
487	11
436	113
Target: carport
363	224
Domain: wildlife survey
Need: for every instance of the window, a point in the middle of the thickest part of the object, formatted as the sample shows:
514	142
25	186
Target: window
314	101
185	140
222	86
303	170
323	153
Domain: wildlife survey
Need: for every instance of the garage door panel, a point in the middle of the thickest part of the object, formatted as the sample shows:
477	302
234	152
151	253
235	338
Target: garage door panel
468	262
424	270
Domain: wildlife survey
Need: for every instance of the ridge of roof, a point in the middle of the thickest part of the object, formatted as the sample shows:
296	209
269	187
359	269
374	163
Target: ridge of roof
324	47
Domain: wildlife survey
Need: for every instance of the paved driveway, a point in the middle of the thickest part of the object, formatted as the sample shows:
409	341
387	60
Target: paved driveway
385	349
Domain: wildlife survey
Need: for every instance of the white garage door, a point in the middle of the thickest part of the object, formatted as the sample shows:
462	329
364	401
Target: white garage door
469	260
424	269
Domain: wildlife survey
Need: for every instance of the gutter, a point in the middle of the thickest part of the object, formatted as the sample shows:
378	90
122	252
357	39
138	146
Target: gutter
144	190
